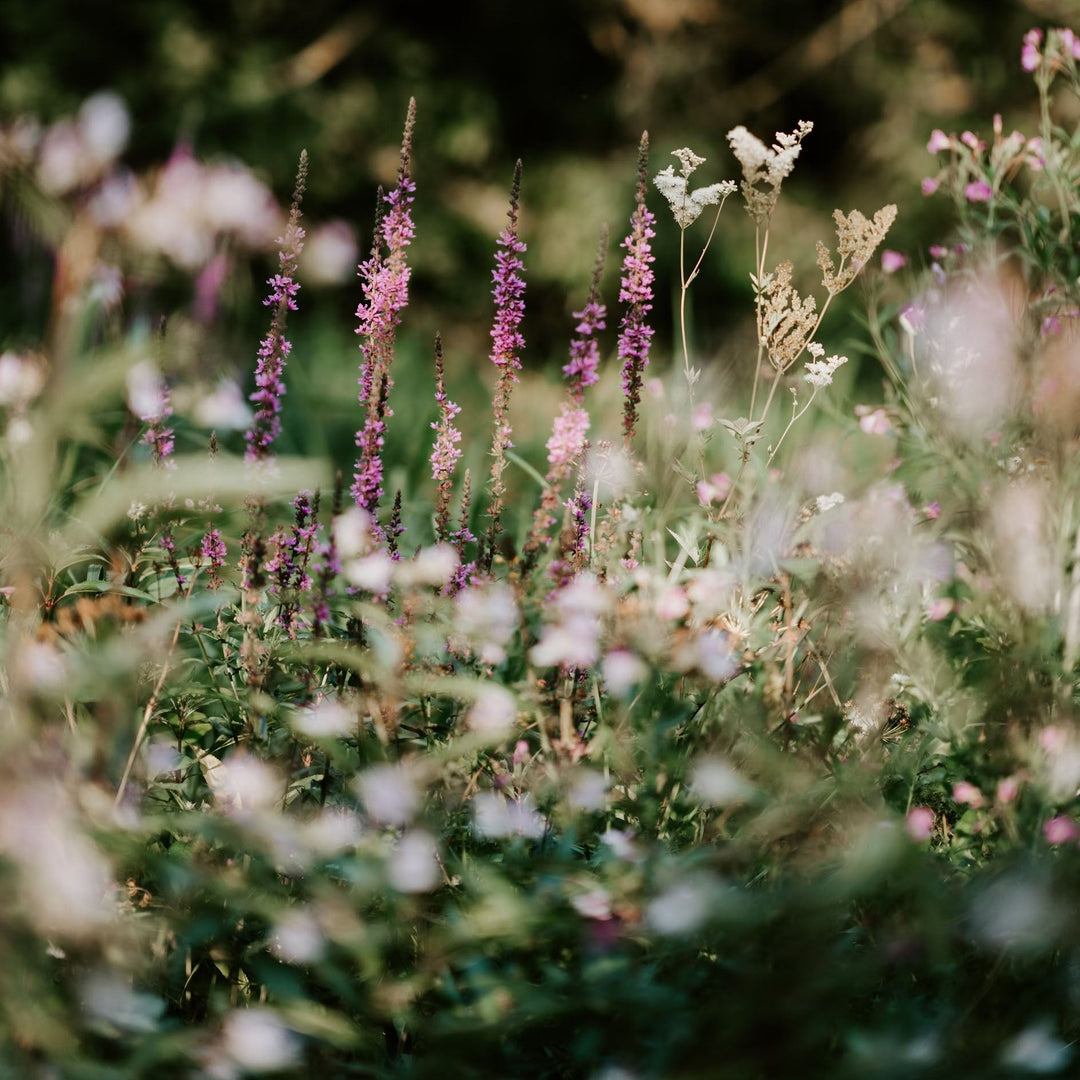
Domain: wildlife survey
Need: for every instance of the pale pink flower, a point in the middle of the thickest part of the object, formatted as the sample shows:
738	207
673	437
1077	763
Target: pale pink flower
920	823
963	792
932	511
1008	789
929	185
873	421
1060	830
940	608
1029	52
1052	740
938	251
702	416
938	141
891	261
978	191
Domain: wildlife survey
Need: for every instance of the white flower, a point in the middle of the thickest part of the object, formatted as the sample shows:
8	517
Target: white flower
389	795
825	503
413	866
493	712
820	372
687	205
689	160
494	815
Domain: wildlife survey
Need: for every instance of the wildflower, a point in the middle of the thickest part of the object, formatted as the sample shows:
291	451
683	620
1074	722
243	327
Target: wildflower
978	191
919	823
687	205
389	794
1030	57
1060	830
636	294
584	349
857	239
386	294
212	549
507	344
963	792
275	349
873	421
938	141
622	671
932	510
819	373
929	185
1008	789
568	438
785	319
891	261
446	452
765	168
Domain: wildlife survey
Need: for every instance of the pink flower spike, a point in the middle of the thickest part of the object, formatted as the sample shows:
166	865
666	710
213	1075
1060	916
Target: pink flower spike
963	792
929	185
938	251
920	823
938	141
932	511
891	261
1008	789
521	752
1060	830
978	191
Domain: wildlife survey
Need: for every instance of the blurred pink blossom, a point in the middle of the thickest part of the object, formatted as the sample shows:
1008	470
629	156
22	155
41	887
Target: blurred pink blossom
1060	830
938	141
1029	53
978	191
891	261
1008	789
929	185
963	792
920	823
932	511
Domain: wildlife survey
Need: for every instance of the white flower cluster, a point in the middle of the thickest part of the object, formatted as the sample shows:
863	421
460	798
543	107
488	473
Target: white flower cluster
687	205
761	163
820	372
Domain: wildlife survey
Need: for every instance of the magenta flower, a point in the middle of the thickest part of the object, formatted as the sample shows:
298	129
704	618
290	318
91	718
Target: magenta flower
978	191
386	294
274	349
929	185
507	344
212	550
291	551
157	436
567	442
636	294
891	261
584	348
938	141
1030	57
932	511
1060	830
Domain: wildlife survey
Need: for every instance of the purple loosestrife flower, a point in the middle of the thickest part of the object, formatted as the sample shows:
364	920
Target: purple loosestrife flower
507	344
274	349
386	294
585	349
463	574
288	563
212	550
568	437
446	452
636	294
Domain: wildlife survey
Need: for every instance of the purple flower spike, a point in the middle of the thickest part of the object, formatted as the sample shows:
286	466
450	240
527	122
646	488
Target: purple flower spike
636	294
507	344
446	452
274	349
585	349
386	294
